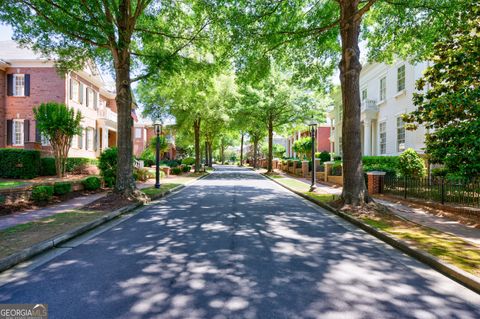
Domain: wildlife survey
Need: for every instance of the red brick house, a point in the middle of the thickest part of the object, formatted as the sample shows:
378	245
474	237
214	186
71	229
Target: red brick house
144	132
27	80
322	139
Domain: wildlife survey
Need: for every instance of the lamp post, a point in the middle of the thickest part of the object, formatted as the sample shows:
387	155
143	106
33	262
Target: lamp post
158	130
313	129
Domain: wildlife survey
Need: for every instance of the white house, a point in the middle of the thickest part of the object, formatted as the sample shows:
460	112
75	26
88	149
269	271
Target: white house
386	93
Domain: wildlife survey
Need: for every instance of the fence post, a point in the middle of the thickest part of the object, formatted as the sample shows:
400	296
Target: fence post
443	190
405	187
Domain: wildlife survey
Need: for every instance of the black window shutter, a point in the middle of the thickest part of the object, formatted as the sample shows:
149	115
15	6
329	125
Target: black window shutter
9	84
38	135
9	132
27	84
26	131
80	94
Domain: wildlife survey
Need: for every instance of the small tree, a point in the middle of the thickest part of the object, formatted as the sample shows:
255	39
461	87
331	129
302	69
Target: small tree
411	164
153	145
59	124
303	147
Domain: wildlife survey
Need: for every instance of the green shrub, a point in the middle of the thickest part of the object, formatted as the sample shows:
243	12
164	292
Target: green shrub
47	166
19	163
42	193
324	156
440	171
143	174
387	164
62	188
74	162
91	183
186	168
108	165
171	163
298	164
3	199
188	161
337	169
176	171
410	164
337	158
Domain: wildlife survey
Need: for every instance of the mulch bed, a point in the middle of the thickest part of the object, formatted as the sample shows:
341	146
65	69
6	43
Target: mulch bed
110	202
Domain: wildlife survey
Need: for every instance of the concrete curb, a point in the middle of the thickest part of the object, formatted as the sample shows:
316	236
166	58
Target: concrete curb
27	253
468	280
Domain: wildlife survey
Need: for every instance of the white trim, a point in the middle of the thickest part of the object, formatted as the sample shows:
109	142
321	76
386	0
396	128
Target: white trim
14	84
22	132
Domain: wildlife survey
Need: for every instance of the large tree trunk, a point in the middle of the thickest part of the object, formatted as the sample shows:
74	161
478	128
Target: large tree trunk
270	146
210	155
241	149
125	183
354	190
255	153
196	129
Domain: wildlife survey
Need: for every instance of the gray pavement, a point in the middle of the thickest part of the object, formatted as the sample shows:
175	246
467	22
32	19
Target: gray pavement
234	245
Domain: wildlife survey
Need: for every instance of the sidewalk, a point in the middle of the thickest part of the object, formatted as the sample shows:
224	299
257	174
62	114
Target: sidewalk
415	215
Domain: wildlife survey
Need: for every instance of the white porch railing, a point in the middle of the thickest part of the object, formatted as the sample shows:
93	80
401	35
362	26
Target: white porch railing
369	105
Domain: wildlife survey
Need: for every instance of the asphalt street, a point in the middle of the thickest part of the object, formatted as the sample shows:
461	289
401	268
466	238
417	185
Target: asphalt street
235	245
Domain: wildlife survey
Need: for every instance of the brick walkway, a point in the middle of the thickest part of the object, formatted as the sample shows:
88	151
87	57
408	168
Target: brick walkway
416	215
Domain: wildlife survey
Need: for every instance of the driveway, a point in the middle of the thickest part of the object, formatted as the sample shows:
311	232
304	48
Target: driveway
235	245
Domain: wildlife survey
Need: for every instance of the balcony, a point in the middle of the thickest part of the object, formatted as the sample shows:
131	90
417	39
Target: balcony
107	114
369	109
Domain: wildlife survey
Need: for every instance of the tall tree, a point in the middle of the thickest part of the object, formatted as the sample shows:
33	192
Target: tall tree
77	31
59	124
305	34
448	102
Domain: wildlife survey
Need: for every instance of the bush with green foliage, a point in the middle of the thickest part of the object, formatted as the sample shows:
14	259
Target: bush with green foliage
91	183
62	188
176	170
42	193
387	164
337	158
74	163
171	163
19	163
324	156
189	161
3	199
298	164
337	169
440	171
410	164
303	147
48	166
186	168
143	174
108	165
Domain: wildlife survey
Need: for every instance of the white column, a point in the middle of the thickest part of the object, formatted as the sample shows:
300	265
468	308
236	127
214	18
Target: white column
367	137
105	138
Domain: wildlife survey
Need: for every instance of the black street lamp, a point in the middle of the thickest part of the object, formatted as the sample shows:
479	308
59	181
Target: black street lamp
158	130
313	129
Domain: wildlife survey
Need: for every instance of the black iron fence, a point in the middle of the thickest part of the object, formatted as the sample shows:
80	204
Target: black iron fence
439	189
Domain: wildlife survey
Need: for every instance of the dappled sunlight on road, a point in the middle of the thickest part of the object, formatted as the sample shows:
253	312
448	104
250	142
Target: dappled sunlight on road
234	245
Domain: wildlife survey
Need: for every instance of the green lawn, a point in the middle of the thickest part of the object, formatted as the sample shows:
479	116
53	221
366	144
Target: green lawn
154	192
9	184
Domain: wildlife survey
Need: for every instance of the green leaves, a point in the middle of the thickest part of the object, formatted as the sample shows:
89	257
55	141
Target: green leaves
56	120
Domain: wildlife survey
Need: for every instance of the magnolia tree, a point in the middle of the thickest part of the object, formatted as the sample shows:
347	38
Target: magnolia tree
59	124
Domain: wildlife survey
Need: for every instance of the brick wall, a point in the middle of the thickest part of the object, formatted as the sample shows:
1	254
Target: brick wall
45	86
3	129
323	142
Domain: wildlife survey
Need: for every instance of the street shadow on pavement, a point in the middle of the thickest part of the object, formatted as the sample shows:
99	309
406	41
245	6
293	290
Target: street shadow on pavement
237	246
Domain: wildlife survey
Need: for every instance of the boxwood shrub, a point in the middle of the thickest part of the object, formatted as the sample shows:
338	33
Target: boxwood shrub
176	170
62	188
48	166
186	168
42	193
91	183
19	163
388	164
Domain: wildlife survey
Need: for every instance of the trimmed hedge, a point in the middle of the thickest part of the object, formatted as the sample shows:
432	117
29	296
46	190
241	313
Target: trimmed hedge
324	156
388	164
42	193
91	183
62	188
48	166
19	163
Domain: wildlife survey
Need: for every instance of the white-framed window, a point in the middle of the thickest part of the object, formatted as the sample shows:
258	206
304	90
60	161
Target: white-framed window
383	88
19	85
382	128
89	138
18	137
90	98
44	140
364	94
138	132
75	90
400	135
401	78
